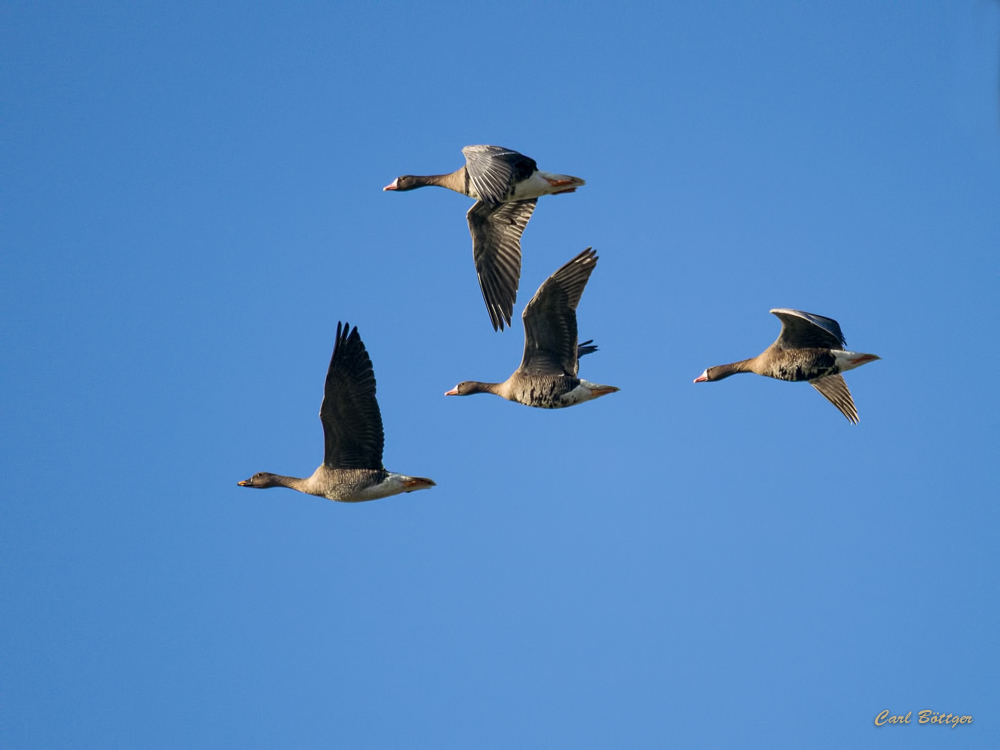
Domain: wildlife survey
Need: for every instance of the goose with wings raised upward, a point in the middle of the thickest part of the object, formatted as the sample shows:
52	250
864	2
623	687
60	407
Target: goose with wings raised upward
506	186
810	348
352	469
547	377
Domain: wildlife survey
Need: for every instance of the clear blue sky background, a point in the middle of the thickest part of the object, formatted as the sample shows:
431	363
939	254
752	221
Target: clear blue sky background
191	200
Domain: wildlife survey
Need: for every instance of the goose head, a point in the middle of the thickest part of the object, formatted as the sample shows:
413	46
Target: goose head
260	480
406	182
468	387
715	373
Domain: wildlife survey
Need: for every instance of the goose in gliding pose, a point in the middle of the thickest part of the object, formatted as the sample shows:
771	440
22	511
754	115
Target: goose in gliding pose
810	348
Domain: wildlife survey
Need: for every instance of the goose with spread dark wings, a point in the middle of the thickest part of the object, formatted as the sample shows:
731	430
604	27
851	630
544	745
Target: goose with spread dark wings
352	469
548	377
506	186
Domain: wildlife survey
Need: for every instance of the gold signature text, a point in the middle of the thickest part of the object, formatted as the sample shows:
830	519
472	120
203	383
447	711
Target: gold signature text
923	717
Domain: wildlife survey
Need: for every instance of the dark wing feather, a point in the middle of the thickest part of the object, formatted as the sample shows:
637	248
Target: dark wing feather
835	389
352	423
802	330
496	248
550	337
494	170
585	347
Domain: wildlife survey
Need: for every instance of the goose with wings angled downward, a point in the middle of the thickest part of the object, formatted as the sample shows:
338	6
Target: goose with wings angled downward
506	186
352	469
548	375
810	348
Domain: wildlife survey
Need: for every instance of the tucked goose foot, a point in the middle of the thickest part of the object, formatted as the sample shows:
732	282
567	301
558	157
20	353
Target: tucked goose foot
418	483
864	358
604	390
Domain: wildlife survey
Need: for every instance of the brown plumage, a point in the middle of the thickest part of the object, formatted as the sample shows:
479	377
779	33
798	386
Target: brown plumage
506	186
547	377
352	468
810	348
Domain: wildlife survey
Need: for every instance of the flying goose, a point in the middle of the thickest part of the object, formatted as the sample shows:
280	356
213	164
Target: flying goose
352	468
506	186
810	348
547	377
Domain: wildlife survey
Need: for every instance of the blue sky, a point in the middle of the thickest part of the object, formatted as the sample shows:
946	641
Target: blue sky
191	200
